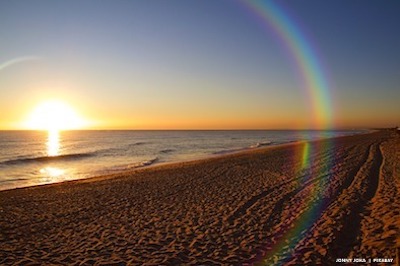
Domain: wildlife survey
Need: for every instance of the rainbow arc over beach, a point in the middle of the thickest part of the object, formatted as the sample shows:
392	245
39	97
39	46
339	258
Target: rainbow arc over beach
305	58
307	63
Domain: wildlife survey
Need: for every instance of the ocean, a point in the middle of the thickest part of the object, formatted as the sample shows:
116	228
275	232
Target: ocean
29	158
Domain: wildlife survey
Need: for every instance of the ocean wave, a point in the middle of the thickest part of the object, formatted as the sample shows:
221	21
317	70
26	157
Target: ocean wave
138	143
257	145
148	162
167	151
126	167
109	151
12	180
260	144
45	159
228	151
119	149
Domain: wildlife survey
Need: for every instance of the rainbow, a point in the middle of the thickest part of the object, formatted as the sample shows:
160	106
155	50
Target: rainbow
315	84
304	55
18	60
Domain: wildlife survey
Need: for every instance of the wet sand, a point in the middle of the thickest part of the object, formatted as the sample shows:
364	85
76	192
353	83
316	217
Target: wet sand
306	203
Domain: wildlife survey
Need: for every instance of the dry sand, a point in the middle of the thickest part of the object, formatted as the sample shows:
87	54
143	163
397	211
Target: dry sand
266	205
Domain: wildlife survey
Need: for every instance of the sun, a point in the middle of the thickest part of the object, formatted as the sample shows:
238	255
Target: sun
54	115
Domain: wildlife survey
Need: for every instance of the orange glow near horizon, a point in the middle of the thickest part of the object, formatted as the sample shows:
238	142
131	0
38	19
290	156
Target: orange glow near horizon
71	113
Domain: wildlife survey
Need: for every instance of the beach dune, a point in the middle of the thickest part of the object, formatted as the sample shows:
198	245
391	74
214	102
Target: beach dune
299	203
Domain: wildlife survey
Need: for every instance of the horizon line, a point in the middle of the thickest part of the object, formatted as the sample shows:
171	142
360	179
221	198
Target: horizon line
213	129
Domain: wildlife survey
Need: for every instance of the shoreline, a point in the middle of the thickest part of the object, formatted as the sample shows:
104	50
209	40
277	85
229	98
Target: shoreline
183	161
238	208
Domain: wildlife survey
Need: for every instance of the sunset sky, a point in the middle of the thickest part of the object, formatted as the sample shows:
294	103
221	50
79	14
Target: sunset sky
197	64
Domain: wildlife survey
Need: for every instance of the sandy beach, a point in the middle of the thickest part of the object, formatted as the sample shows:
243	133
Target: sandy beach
303	203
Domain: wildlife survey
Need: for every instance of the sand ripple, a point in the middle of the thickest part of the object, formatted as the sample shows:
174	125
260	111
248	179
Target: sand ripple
257	206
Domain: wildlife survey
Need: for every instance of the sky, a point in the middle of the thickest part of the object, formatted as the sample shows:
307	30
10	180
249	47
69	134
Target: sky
208	64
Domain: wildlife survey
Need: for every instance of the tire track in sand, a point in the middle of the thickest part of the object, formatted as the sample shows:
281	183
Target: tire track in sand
337	231
365	190
346	178
281	187
279	197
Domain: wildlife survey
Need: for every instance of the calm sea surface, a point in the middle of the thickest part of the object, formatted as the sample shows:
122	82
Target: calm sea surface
30	158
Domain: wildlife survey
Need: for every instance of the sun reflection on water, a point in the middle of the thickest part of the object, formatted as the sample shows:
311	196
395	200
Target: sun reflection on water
50	173
53	143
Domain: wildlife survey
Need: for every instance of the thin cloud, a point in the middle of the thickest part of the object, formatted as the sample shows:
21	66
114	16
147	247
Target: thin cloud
18	60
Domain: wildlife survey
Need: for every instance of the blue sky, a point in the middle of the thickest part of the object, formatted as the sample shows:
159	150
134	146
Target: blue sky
197	64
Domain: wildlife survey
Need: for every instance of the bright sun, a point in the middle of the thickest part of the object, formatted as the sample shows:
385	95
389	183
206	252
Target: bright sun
54	116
